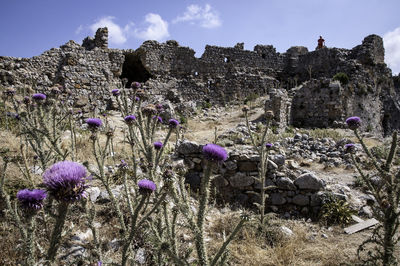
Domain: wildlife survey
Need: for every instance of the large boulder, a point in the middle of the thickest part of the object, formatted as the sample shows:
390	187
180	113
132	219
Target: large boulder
188	147
309	181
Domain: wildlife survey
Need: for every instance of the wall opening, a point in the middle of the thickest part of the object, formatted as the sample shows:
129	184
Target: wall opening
134	70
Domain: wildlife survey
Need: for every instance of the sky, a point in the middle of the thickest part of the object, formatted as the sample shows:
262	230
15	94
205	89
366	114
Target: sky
30	27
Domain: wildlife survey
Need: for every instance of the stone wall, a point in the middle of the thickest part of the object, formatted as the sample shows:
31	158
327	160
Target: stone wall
225	74
220	75
280	103
234	178
71	65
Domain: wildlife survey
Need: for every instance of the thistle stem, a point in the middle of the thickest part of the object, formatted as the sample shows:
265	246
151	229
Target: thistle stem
56	234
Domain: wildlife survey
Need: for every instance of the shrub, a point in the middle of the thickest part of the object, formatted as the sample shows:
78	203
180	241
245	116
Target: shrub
182	118
334	211
206	105
342	77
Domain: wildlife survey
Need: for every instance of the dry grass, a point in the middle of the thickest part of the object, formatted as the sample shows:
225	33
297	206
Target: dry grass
306	247
10	242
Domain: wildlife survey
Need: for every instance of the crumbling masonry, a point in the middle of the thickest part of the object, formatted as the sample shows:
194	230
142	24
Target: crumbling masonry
299	82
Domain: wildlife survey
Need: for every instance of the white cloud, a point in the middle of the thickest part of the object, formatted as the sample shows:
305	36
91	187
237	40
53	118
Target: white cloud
156	30
205	17
79	29
116	34
391	41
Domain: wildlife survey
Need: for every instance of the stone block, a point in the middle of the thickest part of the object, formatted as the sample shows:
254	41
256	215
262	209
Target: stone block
285	183
301	200
241	180
247	166
276	199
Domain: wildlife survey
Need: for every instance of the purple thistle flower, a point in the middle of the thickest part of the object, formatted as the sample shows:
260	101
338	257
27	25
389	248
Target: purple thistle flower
158	145
115	92
173	123
268	145
159	107
27	100
123	164
9	92
159	119
137	99
129	119
349	148
215	153
146	186
65	181
135	85
149	110
168	174
31	199
94	123
39	97
141	94
353	122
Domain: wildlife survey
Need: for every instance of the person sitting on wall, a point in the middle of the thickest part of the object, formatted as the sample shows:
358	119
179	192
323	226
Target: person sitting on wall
321	43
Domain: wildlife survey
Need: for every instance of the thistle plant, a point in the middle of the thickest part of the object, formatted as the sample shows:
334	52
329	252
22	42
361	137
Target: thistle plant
41	125
100	153
144	200
29	202
387	197
263	150
66	182
146	188
213	155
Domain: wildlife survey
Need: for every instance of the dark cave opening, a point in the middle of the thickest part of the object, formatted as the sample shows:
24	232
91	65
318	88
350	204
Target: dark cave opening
134	70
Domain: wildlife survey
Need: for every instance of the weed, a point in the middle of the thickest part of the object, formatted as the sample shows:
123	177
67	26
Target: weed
334	211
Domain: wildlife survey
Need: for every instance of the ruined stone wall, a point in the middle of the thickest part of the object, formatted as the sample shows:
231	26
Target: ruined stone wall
318	103
224	74
264	60
279	102
327	103
326	62
167	59
220	75
71	65
235	178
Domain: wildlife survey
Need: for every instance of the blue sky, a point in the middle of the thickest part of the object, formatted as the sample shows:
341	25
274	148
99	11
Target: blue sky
29	27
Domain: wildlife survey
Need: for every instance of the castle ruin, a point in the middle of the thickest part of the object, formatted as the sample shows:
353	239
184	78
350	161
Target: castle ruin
299	82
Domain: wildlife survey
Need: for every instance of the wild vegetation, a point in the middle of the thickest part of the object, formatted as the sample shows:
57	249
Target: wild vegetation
54	155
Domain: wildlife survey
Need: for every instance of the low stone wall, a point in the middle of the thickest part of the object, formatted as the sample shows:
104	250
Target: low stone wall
296	193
